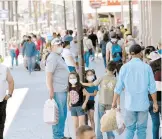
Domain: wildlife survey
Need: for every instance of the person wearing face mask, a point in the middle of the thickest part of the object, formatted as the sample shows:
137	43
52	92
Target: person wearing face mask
68	57
105	96
137	79
76	101
57	84
90	77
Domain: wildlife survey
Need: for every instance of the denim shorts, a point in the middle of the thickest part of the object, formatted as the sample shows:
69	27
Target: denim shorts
77	111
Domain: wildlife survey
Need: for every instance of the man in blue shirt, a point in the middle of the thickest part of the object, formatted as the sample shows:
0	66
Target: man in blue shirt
137	80
29	50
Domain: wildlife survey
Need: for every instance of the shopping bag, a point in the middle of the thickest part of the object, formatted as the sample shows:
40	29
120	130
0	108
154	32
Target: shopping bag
51	113
120	123
108	121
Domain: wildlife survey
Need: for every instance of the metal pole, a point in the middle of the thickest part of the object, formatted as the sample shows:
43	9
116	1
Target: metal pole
17	24
4	23
80	38
73	13
122	20
11	26
9	19
65	15
130	15
4	52
96	20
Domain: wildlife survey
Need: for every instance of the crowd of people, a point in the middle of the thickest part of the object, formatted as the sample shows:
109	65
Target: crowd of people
130	69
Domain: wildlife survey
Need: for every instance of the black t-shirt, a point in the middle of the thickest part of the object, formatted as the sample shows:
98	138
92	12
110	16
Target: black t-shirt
93	37
76	96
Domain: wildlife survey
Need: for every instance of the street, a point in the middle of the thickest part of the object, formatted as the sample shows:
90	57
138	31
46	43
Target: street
25	109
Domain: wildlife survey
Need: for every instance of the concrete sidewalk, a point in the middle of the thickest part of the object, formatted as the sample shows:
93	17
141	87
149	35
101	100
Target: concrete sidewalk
25	109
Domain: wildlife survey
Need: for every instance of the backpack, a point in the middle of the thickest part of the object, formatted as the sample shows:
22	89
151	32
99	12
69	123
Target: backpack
116	52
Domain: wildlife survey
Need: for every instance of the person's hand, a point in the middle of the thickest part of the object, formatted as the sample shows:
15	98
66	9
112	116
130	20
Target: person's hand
113	105
6	97
51	95
69	107
84	106
155	107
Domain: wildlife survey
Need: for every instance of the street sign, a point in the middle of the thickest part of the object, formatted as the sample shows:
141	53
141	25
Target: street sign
3	14
95	3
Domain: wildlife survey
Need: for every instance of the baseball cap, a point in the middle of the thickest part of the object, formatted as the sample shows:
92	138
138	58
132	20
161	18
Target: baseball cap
135	49
56	41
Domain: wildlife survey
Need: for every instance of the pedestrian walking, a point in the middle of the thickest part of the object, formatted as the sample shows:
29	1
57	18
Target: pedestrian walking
155	64
85	132
68	57
137	79
89	78
14	52
57	84
5	76
107	84
76	102
29	51
88	49
103	44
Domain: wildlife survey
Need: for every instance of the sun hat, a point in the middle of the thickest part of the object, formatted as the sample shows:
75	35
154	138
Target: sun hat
56	42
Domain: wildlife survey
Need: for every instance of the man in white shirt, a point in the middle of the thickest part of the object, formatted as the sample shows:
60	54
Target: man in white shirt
5	77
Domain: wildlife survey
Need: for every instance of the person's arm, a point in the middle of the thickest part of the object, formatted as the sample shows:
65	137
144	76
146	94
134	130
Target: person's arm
152	89
49	82
107	53
95	83
50	68
70	58
10	81
123	54
68	101
90	94
87	95
118	89
23	49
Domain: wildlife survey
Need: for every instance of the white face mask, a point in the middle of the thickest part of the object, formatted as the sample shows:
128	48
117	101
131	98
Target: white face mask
59	50
90	78
73	81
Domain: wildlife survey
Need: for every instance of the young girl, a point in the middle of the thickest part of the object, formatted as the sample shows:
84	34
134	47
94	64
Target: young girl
76	102
90	78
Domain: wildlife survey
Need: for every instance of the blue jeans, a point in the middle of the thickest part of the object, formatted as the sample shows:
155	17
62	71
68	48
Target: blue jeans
155	121
13	56
104	59
71	69
136	120
101	110
86	59
61	100
31	63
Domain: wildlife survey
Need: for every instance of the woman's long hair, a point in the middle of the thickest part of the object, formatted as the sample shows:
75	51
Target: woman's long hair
78	84
106	37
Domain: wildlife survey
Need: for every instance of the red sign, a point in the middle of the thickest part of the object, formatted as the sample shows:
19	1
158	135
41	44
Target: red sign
112	2
95	3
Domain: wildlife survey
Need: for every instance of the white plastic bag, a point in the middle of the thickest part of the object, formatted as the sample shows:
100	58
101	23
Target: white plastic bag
120	123
51	113
108	121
